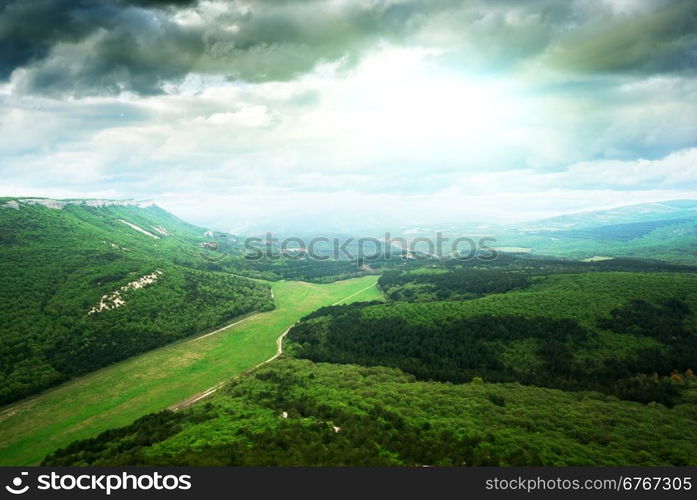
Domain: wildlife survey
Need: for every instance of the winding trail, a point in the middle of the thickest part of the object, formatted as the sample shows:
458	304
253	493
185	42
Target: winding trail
174	376
14	407
202	395
279	350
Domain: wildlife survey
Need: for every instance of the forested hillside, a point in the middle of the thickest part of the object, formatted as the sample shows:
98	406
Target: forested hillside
300	413
627	334
314	271
525	362
85	284
454	279
511	361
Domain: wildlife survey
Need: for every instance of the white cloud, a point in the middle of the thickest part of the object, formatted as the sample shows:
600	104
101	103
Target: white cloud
412	132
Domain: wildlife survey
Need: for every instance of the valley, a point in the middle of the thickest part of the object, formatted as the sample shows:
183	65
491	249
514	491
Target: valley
526	362
133	338
379	233
116	395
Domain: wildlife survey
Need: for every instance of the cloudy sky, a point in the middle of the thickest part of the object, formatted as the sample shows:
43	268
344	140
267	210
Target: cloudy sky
335	113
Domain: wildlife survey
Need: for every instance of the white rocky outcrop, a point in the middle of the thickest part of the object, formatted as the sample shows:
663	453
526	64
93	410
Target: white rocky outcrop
46	202
110	203
139	229
115	299
60	204
162	230
114	245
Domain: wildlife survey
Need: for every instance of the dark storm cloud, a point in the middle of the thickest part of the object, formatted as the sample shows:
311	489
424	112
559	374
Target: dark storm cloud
158	3
29	29
136	53
663	40
82	47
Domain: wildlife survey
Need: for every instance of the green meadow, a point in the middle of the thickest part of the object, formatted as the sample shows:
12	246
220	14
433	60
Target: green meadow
120	393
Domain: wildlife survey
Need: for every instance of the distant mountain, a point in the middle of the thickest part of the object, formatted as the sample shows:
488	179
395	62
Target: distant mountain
85	283
664	210
664	230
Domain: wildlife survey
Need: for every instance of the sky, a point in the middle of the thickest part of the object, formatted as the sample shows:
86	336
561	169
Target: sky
339	114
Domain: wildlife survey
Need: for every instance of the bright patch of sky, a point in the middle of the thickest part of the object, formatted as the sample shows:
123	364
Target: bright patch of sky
338	115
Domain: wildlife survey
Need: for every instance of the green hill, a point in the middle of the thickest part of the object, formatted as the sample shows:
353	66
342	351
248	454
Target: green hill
300	413
664	230
85	283
120	393
573	331
527	362
514	361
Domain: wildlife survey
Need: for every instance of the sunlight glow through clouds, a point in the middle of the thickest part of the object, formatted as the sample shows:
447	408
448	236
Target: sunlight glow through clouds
397	96
401	109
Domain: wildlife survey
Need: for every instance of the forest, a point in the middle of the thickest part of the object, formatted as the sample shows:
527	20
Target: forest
452	279
57	265
520	360
565	367
566	331
298	413
537	351
449	284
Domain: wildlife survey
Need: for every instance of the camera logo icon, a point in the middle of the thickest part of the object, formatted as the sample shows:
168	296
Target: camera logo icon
16	487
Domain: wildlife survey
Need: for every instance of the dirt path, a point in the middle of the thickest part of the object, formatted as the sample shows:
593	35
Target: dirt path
279	350
221	329
13	408
354	294
202	395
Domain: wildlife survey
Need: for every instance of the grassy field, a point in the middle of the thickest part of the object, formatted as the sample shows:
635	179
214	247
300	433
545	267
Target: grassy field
116	395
